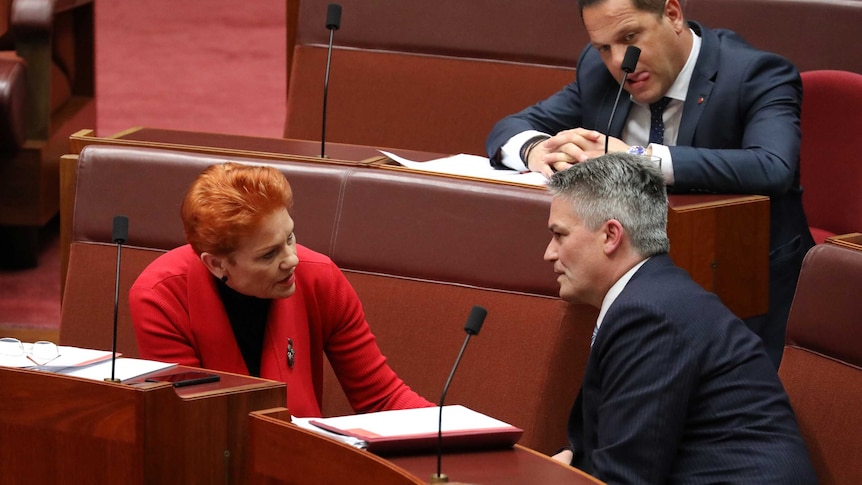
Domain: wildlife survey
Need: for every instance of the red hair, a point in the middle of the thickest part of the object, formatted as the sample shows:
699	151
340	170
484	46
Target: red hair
227	201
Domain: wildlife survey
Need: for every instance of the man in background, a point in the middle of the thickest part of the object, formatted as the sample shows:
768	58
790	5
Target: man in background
722	116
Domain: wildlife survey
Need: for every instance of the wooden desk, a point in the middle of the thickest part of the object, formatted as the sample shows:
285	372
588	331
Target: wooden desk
514	466
723	243
721	240
57	429
852	240
245	146
281	452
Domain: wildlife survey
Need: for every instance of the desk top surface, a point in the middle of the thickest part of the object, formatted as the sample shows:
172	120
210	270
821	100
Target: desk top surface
517	465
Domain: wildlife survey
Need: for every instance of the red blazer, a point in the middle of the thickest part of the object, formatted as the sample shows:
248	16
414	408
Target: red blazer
179	317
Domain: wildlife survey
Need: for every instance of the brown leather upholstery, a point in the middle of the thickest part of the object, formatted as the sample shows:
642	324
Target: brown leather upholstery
831	173
419	250
429	227
55	40
151	196
407	75
822	364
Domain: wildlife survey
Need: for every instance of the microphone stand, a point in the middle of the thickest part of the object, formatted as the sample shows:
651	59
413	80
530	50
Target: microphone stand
121	232
472	327
630	61
439	477
333	22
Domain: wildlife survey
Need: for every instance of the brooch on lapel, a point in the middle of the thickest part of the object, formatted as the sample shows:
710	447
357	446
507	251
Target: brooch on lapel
291	353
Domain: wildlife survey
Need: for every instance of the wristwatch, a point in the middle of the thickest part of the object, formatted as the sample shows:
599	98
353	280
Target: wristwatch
637	150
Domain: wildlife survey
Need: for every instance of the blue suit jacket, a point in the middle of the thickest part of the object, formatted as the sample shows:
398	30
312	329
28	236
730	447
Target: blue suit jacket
739	134
678	390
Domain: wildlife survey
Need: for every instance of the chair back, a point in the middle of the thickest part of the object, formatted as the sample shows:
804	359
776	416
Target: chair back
822	364
831	173
406	75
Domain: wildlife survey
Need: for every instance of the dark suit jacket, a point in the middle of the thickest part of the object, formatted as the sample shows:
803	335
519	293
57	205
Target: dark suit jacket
678	390
739	134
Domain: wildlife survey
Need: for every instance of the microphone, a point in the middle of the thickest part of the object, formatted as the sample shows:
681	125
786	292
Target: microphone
472	327
333	22
630	60
120	235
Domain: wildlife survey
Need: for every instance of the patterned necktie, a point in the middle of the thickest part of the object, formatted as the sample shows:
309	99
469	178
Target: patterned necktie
656	125
593	339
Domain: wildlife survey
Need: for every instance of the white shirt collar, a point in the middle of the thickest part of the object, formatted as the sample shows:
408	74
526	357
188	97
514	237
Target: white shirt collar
615	291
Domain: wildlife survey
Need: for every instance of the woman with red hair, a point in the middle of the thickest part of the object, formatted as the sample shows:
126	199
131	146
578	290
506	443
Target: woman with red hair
244	297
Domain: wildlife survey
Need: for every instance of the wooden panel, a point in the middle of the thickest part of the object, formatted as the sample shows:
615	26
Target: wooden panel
851	241
723	242
282	453
52	433
57	429
515	466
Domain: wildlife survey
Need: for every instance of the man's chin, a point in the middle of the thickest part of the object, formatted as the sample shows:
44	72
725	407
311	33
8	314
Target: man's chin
570	297
641	93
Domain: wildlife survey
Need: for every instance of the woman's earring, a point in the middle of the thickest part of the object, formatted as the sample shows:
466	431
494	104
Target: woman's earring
224	279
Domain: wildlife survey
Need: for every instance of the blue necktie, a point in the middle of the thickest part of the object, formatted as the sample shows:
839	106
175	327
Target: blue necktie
593	339
656	125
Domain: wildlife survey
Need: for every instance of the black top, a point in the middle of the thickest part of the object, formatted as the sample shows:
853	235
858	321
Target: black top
247	315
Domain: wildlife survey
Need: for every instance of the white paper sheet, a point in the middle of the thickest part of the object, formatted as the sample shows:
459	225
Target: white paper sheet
470	166
68	357
126	368
419	421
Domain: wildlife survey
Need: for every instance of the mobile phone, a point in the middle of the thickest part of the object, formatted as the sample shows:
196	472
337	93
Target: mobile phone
183	379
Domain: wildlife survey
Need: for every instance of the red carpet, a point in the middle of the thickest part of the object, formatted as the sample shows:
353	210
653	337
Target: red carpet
214	66
31	298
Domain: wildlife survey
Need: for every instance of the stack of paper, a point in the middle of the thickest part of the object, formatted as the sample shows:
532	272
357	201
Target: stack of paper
470	166
86	363
415	430
124	369
66	357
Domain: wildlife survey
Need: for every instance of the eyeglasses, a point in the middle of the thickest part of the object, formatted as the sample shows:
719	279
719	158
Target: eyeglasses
40	353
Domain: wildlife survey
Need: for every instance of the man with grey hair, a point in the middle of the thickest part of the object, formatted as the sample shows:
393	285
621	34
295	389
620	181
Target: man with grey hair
676	388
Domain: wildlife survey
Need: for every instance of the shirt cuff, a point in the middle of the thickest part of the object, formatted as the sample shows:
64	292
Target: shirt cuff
663	152
511	151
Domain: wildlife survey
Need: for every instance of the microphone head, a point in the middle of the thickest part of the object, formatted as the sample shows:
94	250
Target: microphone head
630	60
121	229
475	320
333	16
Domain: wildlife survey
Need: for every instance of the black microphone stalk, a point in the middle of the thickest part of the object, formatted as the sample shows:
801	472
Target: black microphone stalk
120	235
472	327
630	61
333	23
